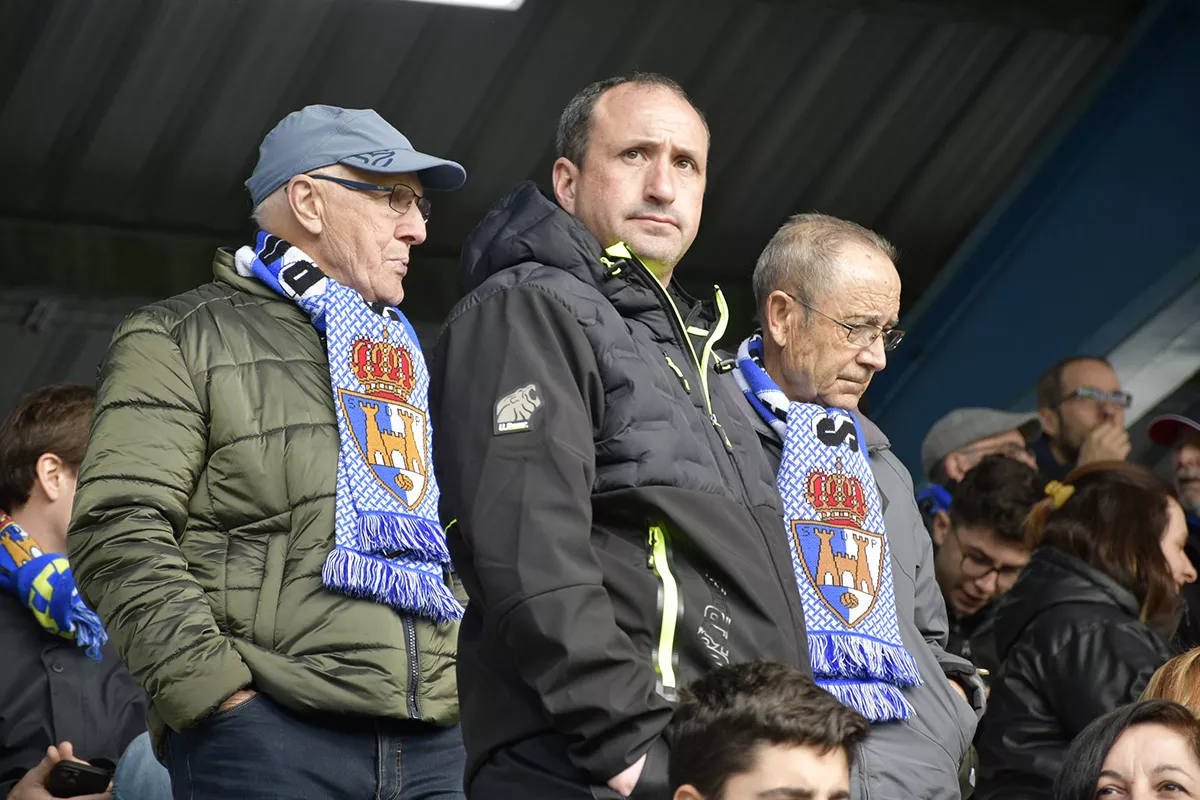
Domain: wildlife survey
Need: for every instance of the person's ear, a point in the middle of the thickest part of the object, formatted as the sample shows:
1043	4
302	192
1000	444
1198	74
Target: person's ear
306	203
777	317
566	183
49	474
941	526
1049	422
688	792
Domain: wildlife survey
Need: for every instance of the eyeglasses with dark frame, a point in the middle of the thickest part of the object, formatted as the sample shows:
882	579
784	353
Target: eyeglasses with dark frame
977	566
1118	398
863	334
401	197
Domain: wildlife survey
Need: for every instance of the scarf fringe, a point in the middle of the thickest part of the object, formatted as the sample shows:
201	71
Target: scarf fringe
878	702
385	534
404	589
88	629
836	656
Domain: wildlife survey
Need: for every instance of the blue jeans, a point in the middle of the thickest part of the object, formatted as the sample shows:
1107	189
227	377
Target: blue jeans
262	751
139	776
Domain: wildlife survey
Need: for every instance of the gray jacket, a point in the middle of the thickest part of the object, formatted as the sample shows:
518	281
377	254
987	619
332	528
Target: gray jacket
917	758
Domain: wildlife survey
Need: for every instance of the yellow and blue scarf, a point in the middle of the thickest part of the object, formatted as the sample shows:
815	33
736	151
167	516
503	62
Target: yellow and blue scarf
388	543
839	547
44	584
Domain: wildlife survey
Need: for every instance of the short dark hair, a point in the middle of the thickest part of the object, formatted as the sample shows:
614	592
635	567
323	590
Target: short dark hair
575	123
802	254
1050	385
724	716
1114	521
1080	772
56	419
997	494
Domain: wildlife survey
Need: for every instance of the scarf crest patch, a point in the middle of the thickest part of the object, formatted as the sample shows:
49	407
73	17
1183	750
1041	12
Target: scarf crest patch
389	545
834	520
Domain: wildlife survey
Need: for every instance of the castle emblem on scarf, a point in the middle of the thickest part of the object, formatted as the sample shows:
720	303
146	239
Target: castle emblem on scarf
390	433
843	561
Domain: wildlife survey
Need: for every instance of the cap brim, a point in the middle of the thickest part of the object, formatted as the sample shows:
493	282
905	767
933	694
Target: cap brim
437	174
1164	430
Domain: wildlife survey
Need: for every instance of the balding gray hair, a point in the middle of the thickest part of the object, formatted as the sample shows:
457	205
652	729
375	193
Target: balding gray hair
801	257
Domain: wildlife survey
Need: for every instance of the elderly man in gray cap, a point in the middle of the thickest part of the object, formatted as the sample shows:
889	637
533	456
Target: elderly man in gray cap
256	520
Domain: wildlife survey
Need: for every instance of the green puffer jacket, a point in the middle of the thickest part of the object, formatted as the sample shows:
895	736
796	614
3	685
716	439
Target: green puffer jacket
205	511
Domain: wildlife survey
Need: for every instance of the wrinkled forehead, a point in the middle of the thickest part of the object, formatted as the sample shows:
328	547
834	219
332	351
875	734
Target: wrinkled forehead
1089	374
1188	438
631	111
865	286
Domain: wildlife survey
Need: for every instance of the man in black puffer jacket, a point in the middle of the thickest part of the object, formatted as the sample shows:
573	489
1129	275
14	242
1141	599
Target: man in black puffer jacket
616	525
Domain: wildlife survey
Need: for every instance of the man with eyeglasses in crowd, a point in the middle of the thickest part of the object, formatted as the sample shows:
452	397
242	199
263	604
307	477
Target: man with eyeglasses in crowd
1082	408
256	519
828	296
980	550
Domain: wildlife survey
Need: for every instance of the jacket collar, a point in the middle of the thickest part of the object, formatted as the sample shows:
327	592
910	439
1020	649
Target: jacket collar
225	271
1055	578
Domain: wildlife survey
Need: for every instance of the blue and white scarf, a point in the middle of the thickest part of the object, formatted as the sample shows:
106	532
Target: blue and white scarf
839	547
388	543
44	584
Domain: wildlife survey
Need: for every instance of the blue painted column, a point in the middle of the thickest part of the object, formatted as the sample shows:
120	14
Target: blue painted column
1098	224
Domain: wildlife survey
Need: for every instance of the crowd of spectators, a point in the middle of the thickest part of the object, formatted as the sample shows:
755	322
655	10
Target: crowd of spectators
634	561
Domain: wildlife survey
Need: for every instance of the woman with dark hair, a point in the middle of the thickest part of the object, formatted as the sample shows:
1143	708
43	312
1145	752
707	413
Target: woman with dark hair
1143	751
1076	632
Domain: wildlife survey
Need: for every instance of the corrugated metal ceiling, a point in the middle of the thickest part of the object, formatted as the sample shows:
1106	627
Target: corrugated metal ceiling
147	113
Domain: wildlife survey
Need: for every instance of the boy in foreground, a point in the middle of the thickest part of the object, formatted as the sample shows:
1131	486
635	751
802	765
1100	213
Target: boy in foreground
762	731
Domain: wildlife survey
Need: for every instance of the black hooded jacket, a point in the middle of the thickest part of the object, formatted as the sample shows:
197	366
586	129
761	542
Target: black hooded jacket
615	522
1074	650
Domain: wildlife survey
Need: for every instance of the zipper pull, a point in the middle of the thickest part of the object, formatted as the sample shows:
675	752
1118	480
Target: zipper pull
687	387
721	432
612	268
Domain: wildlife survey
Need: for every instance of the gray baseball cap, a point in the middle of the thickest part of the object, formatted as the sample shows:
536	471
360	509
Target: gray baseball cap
317	136
963	426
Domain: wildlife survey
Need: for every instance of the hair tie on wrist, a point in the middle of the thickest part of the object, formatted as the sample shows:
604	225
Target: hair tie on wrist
1060	493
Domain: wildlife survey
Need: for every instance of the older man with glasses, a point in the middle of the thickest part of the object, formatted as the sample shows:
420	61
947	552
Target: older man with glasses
1182	435
256	520
1082	408
828	295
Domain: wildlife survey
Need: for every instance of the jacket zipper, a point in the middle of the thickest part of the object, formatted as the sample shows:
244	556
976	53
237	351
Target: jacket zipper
619	250
687	387
671	606
414	669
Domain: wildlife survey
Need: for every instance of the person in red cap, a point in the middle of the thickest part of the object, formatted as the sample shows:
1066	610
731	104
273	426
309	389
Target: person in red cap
1182	435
